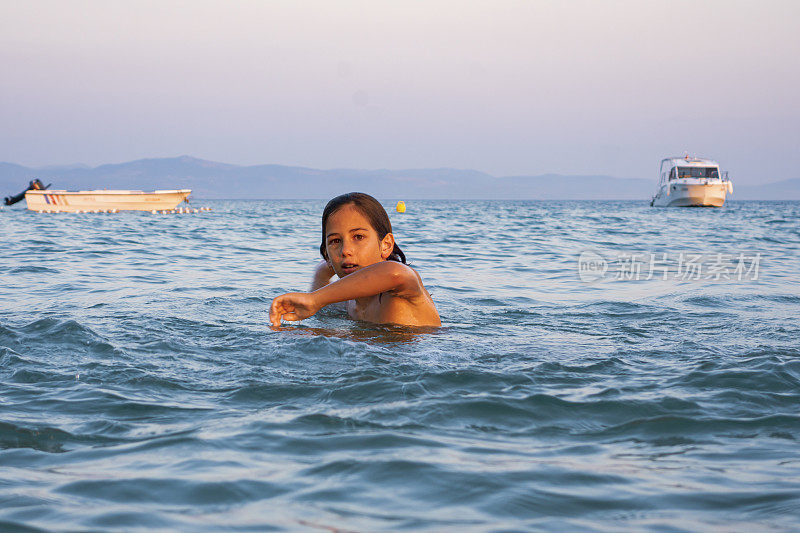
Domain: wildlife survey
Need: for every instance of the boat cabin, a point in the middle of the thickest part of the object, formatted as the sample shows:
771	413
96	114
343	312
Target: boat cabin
689	167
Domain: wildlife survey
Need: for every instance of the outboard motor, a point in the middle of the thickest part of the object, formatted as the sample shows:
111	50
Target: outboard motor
35	185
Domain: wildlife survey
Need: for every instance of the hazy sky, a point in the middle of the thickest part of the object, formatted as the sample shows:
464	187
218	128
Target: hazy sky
573	87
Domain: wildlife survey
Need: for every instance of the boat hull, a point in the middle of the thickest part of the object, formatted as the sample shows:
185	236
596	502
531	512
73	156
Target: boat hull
691	195
105	200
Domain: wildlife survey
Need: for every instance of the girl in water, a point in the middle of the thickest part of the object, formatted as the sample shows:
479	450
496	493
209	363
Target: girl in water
359	248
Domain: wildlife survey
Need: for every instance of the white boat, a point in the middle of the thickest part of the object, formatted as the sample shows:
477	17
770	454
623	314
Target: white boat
691	182
50	201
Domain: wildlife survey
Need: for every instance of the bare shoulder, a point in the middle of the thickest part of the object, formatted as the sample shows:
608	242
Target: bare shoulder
410	303
409	282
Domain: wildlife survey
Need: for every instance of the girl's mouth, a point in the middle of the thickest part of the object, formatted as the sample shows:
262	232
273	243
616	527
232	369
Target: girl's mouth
347	268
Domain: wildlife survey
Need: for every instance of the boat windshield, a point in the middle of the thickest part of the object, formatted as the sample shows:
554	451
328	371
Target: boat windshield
698	172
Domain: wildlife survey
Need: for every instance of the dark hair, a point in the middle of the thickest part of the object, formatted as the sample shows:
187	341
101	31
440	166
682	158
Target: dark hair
370	208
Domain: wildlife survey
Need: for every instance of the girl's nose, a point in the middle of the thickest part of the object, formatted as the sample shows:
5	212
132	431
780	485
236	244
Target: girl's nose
347	248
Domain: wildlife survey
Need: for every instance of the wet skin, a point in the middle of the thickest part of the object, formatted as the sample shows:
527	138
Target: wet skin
376	290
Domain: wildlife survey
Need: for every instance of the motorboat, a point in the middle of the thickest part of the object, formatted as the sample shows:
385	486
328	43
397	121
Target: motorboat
691	182
56	201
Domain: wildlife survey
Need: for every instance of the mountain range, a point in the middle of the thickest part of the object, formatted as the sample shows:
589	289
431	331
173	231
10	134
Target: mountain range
210	179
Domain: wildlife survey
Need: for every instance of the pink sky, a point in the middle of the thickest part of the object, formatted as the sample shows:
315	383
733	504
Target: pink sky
578	87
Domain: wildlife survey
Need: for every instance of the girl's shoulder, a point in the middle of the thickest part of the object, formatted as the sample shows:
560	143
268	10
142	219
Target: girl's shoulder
409	281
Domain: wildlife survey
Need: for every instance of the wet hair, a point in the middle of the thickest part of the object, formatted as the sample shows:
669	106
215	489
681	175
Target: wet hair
371	209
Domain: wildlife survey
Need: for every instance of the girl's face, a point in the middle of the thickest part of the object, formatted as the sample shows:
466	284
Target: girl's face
352	243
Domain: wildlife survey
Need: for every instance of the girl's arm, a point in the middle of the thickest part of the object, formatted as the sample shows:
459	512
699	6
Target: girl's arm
374	279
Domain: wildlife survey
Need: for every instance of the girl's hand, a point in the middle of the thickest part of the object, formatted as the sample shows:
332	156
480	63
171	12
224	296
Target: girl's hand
292	306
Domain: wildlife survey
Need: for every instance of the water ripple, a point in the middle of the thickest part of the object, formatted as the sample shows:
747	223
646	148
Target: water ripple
140	387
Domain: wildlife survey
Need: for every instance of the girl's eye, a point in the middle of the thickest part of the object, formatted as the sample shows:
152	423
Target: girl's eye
334	241
358	236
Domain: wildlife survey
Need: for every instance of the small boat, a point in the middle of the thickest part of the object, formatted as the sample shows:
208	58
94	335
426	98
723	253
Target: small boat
691	182
55	201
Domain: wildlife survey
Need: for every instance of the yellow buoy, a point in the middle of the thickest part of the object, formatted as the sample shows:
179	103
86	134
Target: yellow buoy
401	206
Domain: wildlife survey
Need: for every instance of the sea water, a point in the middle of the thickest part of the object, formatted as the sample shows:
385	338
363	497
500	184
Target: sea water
600	366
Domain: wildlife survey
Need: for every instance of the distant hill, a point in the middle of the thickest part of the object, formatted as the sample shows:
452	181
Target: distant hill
210	179
777	190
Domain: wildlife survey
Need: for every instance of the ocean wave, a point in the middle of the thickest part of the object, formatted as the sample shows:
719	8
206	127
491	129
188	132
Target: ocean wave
44	439
703	426
141	386
173	492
